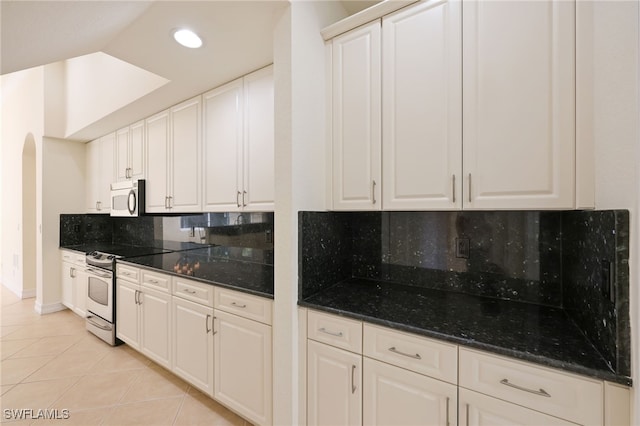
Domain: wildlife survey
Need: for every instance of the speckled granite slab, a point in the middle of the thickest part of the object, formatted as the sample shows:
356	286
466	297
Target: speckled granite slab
540	334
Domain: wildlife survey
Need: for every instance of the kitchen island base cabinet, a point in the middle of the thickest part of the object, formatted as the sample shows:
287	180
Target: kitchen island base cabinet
394	396
477	409
193	343
242	366
334	386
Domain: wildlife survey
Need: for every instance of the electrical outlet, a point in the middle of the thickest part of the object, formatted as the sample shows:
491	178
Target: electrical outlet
463	247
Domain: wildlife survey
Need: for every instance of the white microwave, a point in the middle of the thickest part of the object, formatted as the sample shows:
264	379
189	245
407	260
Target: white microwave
127	198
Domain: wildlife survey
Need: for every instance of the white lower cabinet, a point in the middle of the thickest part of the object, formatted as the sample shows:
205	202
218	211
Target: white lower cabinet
143	319
193	343
481	410
242	366
394	396
334	393
74	281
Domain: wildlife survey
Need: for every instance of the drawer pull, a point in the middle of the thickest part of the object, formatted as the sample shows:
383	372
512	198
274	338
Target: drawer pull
331	333
394	350
186	290
125	273
540	392
153	281
238	305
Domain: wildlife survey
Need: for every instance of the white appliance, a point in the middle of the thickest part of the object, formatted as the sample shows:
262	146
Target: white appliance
100	297
128	198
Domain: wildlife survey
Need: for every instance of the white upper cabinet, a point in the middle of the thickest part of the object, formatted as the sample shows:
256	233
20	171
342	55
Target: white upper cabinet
239	144
356	120
100	173
174	159
130	152
519	104
157	162
422	108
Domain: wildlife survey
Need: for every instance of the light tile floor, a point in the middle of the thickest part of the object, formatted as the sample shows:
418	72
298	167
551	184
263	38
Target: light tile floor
50	362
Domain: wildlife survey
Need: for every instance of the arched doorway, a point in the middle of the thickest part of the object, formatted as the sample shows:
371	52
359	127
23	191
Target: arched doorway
29	222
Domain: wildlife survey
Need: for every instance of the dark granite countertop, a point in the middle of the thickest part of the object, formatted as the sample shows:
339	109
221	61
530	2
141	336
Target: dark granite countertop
126	250
215	265
539	334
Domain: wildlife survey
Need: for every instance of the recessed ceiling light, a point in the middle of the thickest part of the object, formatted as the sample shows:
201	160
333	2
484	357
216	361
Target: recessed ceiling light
187	38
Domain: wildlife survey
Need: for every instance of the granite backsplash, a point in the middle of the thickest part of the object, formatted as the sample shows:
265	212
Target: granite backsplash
576	261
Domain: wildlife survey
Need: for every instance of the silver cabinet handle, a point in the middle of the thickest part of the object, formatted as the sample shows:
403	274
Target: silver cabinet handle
447	412
153	281
72	272
373	192
469	187
353	380
453	184
98	205
467	413
135	297
539	392
244	193
394	350
237	305
128	274
166	202
206	323
238	199
331	333
213	325
186	290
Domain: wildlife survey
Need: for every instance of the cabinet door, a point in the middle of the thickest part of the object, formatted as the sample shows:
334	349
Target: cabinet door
137	151
223	147
107	171
394	396
157	162
258	176
68	271
242	360
334	392
122	154
356	119
185	159
519	104
422	109
155	326
80	292
477	409
127	313
92	175
193	343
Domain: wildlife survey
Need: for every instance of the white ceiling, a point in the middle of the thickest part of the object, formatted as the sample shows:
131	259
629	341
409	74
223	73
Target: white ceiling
238	38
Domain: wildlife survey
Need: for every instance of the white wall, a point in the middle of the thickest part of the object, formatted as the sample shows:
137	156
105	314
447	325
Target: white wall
63	183
300	177
615	128
22	117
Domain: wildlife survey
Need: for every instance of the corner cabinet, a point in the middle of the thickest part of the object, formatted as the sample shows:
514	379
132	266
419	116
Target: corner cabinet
449	105
174	148
239	144
100	173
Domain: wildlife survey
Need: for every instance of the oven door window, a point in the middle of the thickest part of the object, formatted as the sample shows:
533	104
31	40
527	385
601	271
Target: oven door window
99	290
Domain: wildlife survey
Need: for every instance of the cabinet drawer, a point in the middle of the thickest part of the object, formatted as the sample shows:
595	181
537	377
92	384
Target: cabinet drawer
76	258
156	281
560	394
194	291
128	273
334	330
415	353
252	307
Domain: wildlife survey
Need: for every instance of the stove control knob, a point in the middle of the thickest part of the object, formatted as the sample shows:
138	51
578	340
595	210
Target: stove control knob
111	257
93	254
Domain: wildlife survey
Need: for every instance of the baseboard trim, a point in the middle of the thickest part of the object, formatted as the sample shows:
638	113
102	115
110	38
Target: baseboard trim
48	309
28	294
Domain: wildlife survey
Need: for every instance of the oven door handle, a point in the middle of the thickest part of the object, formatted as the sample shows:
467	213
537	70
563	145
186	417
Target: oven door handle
100	326
100	274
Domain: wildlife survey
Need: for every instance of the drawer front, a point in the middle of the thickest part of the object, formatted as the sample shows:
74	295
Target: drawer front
67	256
155	281
334	330
560	394
128	273
194	291
76	258
80	259
245	305
415	353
